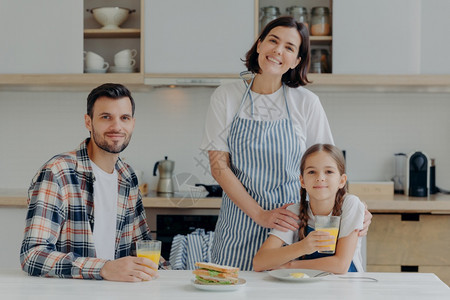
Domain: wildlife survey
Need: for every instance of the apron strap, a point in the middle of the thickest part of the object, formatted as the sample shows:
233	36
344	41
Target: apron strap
244	75
285	101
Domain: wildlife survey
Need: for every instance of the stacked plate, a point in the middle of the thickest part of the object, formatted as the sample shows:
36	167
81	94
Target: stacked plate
116	69
94	70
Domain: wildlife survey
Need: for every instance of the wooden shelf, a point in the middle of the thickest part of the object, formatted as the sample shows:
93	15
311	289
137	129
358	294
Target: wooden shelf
430	82
320	40
69	79
419	80
112	33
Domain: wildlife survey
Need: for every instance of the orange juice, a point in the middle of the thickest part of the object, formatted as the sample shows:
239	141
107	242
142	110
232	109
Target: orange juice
150	254
334	233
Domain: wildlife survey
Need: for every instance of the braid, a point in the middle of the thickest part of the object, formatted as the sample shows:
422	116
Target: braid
339	200
303	216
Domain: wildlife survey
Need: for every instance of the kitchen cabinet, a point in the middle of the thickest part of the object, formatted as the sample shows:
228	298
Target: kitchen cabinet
373	43
376	37
197	36
412	242
317	42
435	44
107	43
41	37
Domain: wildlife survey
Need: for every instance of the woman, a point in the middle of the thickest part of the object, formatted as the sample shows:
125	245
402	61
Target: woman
256	131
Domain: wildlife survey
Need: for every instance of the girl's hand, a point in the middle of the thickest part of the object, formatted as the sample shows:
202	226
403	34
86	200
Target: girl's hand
279	218
367	221
315	241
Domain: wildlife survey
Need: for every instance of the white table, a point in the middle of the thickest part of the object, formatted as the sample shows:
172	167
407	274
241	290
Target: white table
15	284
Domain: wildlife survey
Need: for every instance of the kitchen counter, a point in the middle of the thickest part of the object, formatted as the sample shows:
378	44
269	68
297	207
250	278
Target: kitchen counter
434	204
16	284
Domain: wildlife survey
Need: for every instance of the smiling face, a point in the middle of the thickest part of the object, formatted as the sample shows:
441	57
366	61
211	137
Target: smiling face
321	177
111	125
278	52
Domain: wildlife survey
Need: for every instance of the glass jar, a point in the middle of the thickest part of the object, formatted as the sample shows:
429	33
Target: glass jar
320	21
320	61
269	13
299	13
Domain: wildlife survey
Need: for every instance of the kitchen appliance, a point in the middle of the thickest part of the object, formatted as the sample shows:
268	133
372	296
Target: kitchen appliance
214	190
170	225
417	174
399	178
433	188
165	168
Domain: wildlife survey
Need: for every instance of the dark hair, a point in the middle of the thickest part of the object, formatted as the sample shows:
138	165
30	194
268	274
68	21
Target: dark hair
338	157
293	77
110	90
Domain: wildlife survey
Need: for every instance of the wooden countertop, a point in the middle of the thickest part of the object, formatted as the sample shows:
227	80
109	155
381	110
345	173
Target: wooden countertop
435	204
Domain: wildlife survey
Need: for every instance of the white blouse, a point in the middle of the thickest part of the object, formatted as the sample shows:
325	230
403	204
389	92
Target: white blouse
306	112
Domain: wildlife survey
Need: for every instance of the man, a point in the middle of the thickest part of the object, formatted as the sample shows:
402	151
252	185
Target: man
85	210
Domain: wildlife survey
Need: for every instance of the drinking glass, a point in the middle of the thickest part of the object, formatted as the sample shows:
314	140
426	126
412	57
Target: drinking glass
328	224
150	249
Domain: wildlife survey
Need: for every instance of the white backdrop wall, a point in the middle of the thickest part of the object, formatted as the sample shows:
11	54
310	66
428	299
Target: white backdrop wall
371	126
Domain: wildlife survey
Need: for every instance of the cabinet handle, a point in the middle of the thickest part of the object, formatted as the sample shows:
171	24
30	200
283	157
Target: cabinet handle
410	269
411	217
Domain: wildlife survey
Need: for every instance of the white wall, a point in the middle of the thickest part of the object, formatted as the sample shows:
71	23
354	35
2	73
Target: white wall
370	126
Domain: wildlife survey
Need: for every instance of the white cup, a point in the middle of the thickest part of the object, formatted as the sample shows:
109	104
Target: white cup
126	53
124	62
94	61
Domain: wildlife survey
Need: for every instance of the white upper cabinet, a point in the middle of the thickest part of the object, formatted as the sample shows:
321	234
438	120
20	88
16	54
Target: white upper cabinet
378	37
435	38
197	36
43	36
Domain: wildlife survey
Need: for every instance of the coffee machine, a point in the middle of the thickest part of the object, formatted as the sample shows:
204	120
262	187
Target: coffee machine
417	174
165	168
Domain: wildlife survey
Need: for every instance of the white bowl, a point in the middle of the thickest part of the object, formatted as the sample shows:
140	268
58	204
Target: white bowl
111	17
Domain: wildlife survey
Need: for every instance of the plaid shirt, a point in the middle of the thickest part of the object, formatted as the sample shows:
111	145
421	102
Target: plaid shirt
58	240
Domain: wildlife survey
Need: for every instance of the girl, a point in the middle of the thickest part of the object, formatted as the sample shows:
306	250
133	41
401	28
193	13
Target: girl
323	179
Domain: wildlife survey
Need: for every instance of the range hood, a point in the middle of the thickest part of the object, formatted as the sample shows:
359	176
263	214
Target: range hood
189	79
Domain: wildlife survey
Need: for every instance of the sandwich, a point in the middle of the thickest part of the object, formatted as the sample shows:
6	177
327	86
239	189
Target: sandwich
209	273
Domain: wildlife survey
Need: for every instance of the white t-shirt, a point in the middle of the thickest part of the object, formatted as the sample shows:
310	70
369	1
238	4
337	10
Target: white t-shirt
352	218
307	114
106	194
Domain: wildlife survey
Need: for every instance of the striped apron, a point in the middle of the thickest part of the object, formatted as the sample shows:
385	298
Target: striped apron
265	157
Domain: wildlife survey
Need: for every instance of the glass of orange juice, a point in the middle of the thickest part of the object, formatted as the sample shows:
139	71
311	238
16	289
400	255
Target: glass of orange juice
328	224
150	249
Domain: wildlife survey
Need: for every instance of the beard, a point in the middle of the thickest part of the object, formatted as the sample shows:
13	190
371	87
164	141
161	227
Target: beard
115	147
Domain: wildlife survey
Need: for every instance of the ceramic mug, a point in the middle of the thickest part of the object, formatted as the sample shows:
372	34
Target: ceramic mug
124	62
95	61
126	53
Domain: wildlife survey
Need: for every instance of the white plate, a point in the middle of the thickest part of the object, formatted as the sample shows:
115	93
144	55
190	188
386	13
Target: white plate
283	274
219	287
95	70
115	69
